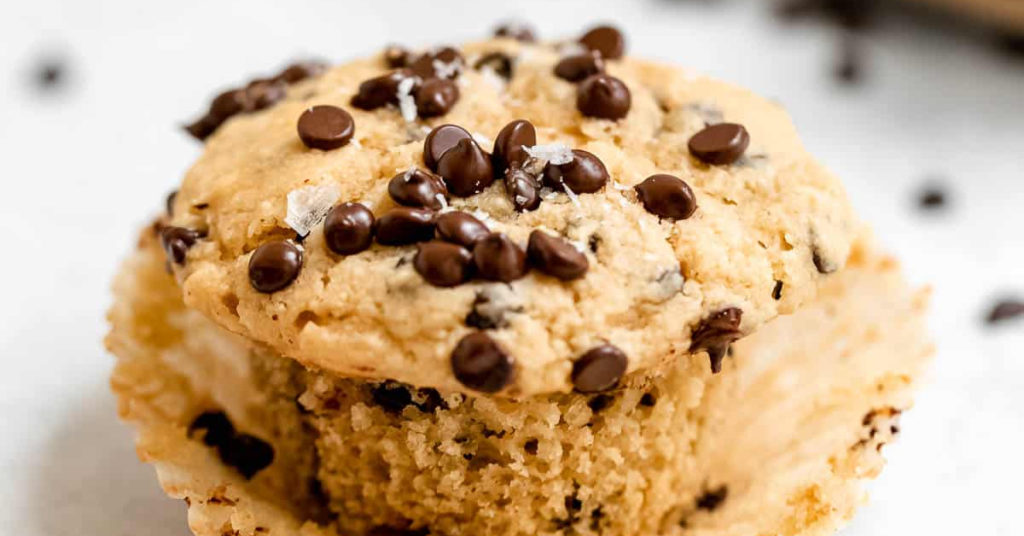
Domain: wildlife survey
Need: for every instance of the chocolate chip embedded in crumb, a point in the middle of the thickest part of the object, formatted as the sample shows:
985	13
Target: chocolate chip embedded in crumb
348	228
823	264
379	91
580	66
555	256
599	369
176	242
443	264
325	127
436	97
479	363
394	397
247	454
396	56
606	40
516	30
584	174
444	62
300	71
711	499
498	258
391	531
215	427
667	196
777	291
492	306
523	189
510	142
720	144
461	228
274	266
1004	310
418	188
499	62
440	140
603	96
401	226
466	168
715	333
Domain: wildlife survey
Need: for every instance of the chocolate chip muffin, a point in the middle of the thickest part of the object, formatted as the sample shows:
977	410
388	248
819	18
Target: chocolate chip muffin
513	287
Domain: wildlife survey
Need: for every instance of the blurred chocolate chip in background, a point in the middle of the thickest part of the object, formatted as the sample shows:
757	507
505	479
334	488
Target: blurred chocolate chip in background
49	73
932	197
1004	310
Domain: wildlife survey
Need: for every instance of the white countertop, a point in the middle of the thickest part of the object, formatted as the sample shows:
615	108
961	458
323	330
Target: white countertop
85	165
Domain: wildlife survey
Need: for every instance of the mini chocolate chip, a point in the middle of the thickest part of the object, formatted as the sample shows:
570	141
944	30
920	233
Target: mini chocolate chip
384	530
583	175
517	31
215	426
499	62
461	228
607	40
648	400
822	263
509	145
439	141
325	127
274	266
667	196
263	94
491	308
392	397
498	258
580	66
177	241
715	333
600	402
400	226
604	97
300	71
379	91
555	256
531	446
443	264
712	499
932	197
479	363
396	56
466	168
348	228
418	188
247	454
436	96
171	197
425	66
1004	310
720	144
599	369
523	189
777	291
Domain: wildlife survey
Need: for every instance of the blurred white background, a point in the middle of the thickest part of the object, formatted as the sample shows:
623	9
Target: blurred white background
88	160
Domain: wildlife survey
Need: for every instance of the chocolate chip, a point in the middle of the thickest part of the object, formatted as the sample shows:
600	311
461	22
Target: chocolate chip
822	263
215	427
203	127
247	454
712	499
325	127
443	264
555	256
604	97
466	168
436	96
600	402
510	142
605	39
498	258
171	197
229	103
648	400
461	228
418	188
599	369
262	94
523	189
491	307
396	56
426	65
379	91
667	196
300	71
517	31
348	228
400	226
274	266
777	291
1004	310
499	62
439	141
480	364
584	174
579	67
720	144
394	397
531	446
177	241
715	333
932	197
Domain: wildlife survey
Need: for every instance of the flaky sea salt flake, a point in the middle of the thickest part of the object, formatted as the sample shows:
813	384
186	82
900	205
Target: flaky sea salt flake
552	153
309	205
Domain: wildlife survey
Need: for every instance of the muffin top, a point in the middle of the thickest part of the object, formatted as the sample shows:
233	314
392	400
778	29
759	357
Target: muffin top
506	217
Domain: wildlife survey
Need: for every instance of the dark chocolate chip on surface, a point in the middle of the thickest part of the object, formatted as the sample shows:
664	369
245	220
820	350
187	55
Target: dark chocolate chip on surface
720	144
348	228
479	363
499	62
510	142
215	427
418	188
466	168
711	499
1004	310
516	30
606	40
176	242
274	266
400	226
444	62
603	96
262	94
584	174
523	189
325	127
580	66
498	258
436	96
443	264
599	369
396	56
300	71
439	141
379	91
461	228
715	333
555	256
667	196
247	454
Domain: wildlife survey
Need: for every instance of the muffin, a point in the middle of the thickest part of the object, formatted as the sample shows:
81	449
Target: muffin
510	288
